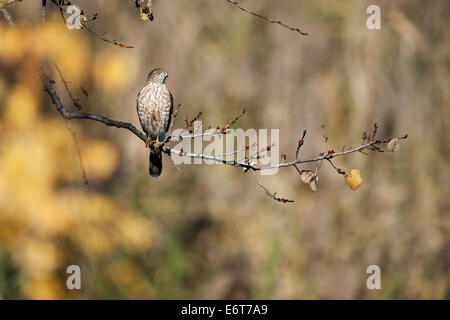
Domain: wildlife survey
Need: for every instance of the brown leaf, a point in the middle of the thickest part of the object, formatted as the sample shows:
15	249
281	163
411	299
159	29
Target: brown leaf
309	177
312	184
393	145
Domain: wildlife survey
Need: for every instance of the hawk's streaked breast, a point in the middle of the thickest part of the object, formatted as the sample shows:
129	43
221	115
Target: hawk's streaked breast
154	103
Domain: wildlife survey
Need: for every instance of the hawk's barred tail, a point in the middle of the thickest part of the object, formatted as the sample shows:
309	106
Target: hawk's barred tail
155	163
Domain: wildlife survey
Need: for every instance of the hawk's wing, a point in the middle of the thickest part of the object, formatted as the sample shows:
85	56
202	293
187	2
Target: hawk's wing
170	112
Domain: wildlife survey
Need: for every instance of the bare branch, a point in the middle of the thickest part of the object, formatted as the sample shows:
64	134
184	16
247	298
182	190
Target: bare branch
325	137
242	163
189	123
338	170
75	102
48	88
93	31
231	122
269	193
300	144
114	42
80	159
8	17
237	4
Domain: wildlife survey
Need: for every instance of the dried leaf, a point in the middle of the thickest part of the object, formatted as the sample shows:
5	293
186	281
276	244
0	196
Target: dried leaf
393	145
310	177
312	184
305	175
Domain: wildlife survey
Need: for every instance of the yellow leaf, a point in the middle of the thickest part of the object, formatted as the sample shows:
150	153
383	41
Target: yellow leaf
353	179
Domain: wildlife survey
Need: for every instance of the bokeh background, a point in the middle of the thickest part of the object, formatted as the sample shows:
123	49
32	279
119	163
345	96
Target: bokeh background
210	232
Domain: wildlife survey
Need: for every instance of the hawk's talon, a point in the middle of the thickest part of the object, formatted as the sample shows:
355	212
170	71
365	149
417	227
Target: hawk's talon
157	144
149	142
152	144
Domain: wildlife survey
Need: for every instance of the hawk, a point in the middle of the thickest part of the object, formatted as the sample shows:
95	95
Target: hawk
154	109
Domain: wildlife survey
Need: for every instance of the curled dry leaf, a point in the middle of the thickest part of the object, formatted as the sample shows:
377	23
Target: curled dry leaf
310	177
353	179
393	145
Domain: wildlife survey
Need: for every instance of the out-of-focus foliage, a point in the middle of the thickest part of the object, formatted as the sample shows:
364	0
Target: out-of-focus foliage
209	231
47	220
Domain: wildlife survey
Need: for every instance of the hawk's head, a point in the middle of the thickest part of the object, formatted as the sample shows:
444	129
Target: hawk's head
157	75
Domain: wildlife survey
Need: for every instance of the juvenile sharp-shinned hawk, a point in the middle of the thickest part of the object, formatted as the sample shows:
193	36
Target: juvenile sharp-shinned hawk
154	108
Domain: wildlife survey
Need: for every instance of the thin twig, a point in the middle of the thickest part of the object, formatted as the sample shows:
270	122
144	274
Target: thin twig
188	123
8	17
234	2
48	88
325	137
338	170
80	159
299	145
72	132
231	122
114	42
272	195
75	102
93	31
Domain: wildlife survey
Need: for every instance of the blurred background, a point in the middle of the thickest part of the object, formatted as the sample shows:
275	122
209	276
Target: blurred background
208	231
